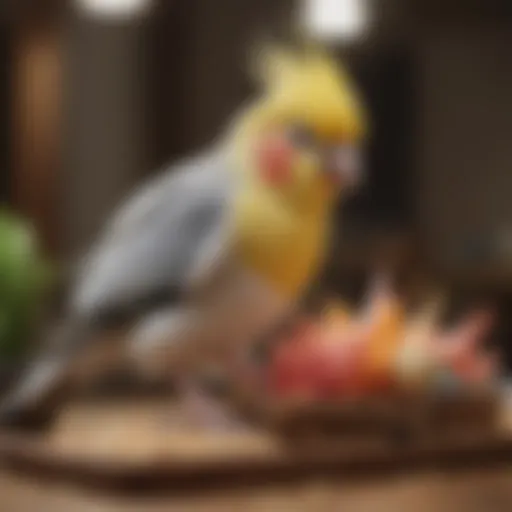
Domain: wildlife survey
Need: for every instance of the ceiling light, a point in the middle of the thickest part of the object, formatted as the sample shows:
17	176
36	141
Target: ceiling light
114	9
343	20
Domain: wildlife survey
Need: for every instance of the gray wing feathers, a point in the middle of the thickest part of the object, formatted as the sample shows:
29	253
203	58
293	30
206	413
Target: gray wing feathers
155	196
156	238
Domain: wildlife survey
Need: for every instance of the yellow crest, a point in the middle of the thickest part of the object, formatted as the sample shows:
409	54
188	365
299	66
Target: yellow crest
312	86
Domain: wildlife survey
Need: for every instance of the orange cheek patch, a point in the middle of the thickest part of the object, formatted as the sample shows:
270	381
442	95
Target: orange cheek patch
275	158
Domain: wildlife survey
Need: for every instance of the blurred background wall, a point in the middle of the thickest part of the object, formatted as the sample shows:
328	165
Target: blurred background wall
5	104
465	165
125	96
106	152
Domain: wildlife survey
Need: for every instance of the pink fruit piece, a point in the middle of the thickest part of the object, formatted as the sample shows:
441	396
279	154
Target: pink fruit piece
481	370
338	367
324	363
291	368
458	346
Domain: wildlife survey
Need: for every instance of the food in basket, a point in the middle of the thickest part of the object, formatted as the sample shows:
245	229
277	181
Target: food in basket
380	355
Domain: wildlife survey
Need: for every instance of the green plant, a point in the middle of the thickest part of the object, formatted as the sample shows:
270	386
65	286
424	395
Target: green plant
24	278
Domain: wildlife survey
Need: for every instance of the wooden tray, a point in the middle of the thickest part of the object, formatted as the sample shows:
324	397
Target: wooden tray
402	418
139	445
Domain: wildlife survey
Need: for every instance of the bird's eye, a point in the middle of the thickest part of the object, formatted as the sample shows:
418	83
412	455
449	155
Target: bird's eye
301	136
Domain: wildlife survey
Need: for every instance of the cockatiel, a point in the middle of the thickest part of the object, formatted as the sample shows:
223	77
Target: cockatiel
217	250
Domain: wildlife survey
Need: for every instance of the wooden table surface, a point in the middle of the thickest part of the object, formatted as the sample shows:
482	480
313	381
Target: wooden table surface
433	490
489	491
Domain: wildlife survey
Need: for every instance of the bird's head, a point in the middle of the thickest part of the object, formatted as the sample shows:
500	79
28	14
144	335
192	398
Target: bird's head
303	136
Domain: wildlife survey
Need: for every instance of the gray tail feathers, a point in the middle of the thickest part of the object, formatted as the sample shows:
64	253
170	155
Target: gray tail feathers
40	392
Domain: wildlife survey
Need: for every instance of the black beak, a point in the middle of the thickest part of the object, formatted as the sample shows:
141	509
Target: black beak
345	166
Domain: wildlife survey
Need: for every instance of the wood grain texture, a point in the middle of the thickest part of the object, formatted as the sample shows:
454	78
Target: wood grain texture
478	491
145	446
37	127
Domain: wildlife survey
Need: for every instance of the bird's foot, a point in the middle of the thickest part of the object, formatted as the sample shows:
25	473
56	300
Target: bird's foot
204	412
